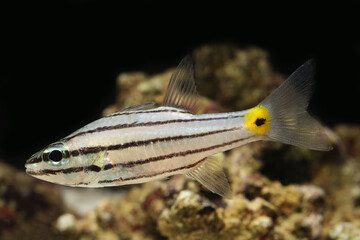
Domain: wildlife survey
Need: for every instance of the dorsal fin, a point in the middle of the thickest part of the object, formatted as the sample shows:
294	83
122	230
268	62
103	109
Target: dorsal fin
143	106
181	91
139	107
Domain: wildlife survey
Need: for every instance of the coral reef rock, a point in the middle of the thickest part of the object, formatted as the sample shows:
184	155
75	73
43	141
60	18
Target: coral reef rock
280	192
28	207
235	79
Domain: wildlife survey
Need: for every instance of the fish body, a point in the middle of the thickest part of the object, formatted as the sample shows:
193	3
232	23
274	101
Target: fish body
140	144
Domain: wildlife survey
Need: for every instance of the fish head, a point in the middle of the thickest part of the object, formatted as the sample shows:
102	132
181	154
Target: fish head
57	163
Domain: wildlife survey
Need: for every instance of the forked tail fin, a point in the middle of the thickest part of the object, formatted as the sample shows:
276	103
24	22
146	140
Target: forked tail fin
289	121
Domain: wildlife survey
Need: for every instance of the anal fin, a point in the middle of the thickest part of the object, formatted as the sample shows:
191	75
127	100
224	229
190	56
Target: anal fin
210	174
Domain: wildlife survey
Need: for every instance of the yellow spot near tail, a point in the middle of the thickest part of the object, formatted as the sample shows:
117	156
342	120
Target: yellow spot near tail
257	120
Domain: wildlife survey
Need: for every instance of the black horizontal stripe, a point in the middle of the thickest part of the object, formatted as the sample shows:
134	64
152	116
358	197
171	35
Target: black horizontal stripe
144	112
91	168
108	166
36	159
149	175
177	154
167	157
81	183
55	171
96	149
132	163
147	124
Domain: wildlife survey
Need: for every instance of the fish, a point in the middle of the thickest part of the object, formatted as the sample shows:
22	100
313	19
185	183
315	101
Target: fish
143	143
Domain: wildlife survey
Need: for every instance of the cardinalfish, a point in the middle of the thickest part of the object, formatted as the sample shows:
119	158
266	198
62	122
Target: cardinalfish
143	143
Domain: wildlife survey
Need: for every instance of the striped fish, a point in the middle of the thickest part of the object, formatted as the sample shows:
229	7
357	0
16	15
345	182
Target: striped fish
142	143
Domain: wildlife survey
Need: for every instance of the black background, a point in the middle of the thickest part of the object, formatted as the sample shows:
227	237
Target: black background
59	60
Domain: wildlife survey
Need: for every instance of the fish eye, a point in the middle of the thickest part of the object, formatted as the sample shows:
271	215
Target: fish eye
55	155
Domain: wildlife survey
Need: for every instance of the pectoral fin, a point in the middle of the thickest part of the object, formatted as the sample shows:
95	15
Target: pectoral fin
210	174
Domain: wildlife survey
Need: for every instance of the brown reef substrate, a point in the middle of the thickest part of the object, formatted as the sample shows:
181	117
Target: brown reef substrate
280	191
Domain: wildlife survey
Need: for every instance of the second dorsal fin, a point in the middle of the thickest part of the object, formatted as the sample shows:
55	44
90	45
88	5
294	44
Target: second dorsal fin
181	91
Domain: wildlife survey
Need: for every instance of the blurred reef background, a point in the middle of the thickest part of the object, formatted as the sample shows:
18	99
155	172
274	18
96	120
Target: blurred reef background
281	192
67	64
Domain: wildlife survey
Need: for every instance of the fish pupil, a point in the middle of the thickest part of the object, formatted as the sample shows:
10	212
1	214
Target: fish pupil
56	156
260	121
